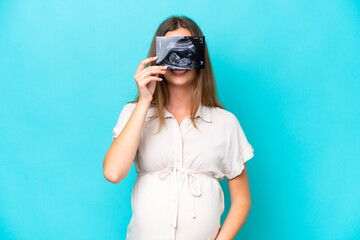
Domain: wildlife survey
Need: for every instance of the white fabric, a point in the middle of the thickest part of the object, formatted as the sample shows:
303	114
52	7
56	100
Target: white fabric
177	194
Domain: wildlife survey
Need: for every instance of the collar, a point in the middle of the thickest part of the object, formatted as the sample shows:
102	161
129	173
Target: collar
204	112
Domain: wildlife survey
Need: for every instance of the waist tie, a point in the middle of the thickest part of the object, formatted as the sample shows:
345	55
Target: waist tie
194	187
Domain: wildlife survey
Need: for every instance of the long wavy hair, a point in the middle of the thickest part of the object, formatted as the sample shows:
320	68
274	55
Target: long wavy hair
204	92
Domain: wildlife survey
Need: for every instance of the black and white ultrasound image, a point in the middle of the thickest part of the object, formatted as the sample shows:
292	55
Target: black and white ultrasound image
181	52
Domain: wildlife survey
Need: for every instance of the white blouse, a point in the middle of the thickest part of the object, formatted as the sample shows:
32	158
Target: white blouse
177	194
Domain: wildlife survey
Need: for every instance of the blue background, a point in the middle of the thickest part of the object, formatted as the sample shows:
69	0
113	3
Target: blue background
289	70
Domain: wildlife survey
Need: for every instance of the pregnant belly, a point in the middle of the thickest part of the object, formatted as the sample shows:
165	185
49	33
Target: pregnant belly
154	209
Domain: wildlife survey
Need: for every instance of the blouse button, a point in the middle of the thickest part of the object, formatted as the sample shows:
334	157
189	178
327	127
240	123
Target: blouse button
178	160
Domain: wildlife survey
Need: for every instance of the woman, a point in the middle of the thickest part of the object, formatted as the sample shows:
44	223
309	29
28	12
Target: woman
183	142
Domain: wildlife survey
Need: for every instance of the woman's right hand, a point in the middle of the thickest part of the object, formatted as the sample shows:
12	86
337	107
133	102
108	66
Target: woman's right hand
146	78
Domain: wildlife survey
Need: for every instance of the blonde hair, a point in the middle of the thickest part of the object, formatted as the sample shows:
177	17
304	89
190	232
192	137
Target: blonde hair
205	86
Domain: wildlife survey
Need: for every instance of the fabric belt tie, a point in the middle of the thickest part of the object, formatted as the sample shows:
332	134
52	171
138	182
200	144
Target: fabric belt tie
194	187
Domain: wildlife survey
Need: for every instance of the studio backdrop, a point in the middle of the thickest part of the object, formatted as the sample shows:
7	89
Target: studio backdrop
288	70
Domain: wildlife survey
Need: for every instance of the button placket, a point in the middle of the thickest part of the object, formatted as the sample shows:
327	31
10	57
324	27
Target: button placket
175	195
178	164
178	143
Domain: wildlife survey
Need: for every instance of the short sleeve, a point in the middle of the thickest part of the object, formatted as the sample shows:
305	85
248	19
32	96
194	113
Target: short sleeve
124	116
237	150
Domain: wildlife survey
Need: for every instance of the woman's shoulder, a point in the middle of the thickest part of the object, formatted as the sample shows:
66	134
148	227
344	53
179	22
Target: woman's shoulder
223	115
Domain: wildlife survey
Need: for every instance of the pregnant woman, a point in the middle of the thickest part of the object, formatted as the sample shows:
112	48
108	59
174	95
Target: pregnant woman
183	142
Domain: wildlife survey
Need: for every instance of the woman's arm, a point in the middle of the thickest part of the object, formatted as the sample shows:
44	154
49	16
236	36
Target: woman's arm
121	154
240	207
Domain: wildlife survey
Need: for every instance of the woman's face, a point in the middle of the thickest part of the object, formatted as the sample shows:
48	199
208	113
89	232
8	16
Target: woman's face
180	76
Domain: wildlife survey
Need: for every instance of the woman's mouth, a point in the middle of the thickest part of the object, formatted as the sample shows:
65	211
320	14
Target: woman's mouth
178	72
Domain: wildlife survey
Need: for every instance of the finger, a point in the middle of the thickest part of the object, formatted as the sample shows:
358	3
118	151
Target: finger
144	62
149	72
150	68
156	67
149	79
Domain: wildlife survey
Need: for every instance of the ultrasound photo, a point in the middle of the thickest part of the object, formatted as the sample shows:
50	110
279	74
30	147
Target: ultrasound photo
181	52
